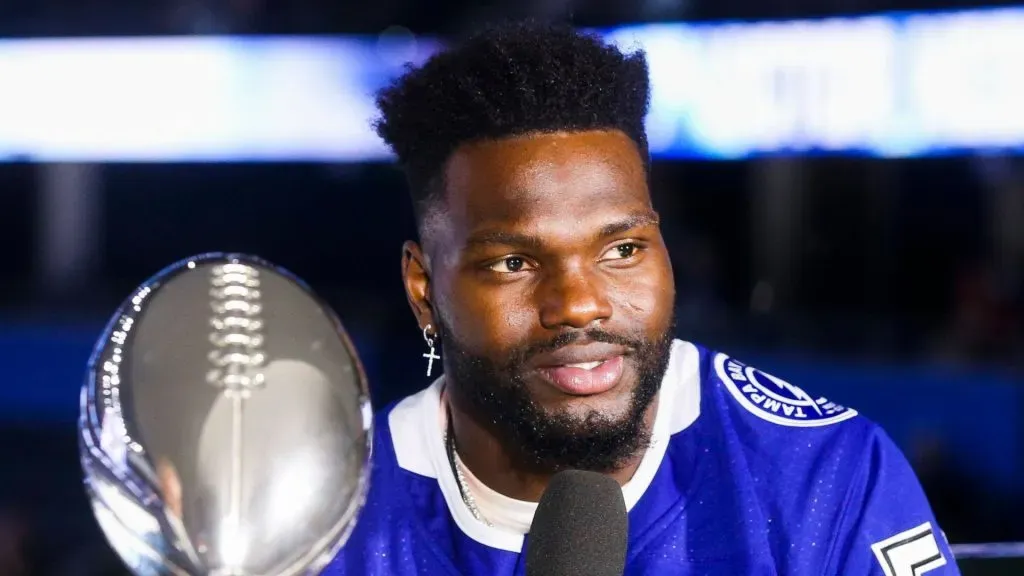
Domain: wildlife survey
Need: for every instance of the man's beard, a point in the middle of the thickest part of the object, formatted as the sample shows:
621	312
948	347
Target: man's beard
539	440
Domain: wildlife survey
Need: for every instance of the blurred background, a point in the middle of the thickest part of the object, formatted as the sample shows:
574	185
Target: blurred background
840	187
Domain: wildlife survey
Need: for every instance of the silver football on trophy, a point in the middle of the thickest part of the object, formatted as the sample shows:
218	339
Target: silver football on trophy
225	424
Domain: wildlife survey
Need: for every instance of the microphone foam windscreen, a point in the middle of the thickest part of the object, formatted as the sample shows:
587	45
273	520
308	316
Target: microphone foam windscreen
580	527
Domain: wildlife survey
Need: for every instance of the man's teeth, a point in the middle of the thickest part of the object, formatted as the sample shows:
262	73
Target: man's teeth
586	365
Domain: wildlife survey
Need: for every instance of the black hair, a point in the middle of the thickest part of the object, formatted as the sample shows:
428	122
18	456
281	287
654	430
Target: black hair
510	80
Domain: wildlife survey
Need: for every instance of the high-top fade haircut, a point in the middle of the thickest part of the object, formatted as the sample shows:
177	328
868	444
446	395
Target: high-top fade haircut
506	81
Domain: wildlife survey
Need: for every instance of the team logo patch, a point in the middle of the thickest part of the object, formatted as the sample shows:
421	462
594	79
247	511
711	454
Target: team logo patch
776	400
910	553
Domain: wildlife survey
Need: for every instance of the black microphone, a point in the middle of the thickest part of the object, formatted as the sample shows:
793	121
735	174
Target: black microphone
580	527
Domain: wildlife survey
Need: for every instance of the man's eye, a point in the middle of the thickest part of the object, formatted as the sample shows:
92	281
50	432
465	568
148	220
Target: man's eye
510	265
622	251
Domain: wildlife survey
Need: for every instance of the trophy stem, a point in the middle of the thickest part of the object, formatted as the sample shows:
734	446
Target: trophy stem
235	512
233	537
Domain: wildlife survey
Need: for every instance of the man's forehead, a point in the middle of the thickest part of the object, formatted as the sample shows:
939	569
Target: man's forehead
502	178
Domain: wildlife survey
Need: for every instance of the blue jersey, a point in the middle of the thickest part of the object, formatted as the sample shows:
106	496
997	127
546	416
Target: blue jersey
746	474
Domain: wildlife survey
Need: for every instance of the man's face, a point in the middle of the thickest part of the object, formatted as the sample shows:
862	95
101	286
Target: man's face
552	293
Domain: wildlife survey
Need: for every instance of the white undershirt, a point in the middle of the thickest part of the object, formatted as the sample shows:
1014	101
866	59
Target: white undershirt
501	511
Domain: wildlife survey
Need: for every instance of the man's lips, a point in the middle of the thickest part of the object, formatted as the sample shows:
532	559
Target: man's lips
583	370
578	354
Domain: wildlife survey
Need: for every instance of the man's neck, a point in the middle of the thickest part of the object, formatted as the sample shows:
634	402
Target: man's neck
493	464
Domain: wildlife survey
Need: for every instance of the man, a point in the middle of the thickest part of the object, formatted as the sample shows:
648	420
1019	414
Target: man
542	274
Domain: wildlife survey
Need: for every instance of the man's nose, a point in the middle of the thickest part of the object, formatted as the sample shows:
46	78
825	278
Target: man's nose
574	298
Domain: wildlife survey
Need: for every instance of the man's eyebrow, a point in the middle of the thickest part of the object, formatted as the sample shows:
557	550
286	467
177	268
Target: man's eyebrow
518	239
635	220
504	238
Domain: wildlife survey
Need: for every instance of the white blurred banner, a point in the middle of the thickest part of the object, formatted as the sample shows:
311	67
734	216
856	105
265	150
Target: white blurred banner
901	85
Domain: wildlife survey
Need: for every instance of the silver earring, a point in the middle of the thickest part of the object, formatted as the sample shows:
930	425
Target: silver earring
430	356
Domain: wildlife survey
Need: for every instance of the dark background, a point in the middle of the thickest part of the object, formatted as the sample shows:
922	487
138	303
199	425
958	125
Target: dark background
895	288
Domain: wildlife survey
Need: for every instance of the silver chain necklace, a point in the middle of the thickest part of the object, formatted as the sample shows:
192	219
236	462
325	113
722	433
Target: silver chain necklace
467	496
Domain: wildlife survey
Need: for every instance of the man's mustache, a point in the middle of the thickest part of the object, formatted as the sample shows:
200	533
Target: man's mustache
568	338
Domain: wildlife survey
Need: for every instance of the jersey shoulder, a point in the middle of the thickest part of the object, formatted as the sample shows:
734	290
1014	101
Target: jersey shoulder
772	399
772	417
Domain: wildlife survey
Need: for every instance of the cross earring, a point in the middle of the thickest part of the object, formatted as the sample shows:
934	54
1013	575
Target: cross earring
430	356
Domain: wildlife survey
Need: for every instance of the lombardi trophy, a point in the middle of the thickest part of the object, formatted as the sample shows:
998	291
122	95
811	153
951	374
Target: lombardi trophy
225	424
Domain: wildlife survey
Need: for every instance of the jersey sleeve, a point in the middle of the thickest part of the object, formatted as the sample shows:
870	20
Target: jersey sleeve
887	527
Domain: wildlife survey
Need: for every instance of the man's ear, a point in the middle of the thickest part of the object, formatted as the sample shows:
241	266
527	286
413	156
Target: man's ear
416	277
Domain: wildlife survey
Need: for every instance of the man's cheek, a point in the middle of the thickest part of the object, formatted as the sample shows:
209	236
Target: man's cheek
498	322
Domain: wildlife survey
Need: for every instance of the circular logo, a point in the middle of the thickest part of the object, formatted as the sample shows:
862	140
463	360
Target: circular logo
776	400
